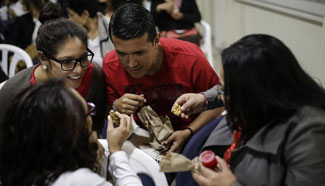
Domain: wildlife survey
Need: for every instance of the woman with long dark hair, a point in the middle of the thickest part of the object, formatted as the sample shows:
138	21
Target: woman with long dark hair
47	140
274	132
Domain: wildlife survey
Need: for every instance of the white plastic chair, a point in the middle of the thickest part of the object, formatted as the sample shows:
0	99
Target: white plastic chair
140	162
206	45
147	4
18	54
1	84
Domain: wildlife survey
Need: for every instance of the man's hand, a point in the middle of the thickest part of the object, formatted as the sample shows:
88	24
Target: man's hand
178	138
117	136
208	177
129	103
191	104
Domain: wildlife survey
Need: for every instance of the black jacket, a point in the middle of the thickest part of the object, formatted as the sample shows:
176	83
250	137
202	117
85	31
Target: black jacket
21	31
165	22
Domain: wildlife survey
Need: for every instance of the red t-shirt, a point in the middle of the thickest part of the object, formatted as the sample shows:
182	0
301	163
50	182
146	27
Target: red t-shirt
85	82
185	69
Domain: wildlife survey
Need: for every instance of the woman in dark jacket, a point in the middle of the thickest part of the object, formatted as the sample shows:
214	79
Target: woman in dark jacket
274	132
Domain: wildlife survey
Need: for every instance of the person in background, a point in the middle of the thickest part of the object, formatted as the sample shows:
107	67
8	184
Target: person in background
154	71
48	141
275	122
106	8
176	18
62	51
9	9
86	13
24	28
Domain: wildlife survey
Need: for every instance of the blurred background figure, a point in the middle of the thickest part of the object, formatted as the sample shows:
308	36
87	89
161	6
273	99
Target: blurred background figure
86	13
106	8
176	18
9	9
24	29
48	141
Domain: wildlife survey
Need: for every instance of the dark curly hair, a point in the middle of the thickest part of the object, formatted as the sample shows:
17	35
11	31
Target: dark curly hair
45	135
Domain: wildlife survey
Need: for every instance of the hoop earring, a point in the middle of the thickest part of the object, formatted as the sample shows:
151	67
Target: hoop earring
44	67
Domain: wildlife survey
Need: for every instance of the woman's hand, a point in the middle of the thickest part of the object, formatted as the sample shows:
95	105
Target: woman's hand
191	103
208	177
117	136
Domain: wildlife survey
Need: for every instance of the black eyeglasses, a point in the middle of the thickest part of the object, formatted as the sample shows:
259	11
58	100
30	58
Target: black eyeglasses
91	109
70	64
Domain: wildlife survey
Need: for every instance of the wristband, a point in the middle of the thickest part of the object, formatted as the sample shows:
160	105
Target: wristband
191	130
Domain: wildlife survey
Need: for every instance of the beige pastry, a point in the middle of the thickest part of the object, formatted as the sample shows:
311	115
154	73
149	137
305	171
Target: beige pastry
115	119
177	110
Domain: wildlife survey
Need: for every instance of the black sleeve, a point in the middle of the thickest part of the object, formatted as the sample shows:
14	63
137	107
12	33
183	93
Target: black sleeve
191	13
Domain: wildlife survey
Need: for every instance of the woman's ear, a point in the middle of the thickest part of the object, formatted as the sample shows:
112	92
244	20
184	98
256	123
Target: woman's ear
156	40
41	57
43	60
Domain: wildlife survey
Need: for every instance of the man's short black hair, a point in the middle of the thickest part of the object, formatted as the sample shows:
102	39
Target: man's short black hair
131	21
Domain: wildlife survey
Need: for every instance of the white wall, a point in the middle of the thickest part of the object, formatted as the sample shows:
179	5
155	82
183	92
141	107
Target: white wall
230	20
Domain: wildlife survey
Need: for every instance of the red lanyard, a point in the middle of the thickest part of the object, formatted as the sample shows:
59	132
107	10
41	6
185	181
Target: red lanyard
236	136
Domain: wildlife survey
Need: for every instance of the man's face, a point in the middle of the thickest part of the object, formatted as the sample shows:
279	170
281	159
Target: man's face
138	56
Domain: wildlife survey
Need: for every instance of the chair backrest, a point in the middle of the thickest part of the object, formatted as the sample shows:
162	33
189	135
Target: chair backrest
140	162
1	84
18	54
206	45
147	4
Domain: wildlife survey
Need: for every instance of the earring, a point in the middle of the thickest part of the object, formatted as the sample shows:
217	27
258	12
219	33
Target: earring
44	67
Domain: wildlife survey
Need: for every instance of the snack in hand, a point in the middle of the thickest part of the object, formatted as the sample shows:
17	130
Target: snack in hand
208	159
177	110
115	119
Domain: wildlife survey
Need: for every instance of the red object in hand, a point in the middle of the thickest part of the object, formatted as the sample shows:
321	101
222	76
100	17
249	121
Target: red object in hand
208	159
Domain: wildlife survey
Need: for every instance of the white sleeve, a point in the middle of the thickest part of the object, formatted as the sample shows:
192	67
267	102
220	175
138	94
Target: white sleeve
121	170
81	177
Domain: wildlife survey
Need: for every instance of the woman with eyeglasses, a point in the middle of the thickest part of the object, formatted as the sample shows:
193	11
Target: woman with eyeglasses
274	131
63	53
47	140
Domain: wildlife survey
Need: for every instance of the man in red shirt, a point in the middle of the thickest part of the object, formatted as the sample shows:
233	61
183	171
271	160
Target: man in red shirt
146	70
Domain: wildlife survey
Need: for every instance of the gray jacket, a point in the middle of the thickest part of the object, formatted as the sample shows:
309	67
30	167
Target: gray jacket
211	96
105	42
289	153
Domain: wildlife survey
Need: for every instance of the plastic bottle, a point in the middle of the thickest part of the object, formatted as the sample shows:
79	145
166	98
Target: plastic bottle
208	159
